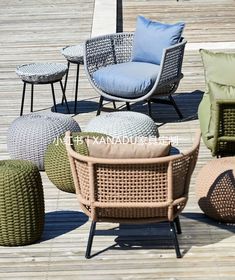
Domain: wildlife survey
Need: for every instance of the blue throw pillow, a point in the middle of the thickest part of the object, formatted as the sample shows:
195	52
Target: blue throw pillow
152	37
128	80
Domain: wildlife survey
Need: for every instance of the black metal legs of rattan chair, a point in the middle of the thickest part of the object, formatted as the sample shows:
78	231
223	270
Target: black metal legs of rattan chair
90	240
32	95
169	100
100	106
175	229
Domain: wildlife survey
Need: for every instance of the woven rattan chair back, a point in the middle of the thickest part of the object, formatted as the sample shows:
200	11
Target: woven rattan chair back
224	137
117	48
133	190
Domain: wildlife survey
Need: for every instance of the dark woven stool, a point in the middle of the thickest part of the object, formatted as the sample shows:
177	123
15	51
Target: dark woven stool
21	203
42	73
57	164
74	55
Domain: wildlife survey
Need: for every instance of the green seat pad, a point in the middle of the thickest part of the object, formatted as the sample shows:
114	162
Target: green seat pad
56	161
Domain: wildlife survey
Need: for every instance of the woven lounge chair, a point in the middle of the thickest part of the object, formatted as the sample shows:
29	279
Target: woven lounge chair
216	111
116	48
222	141
155	189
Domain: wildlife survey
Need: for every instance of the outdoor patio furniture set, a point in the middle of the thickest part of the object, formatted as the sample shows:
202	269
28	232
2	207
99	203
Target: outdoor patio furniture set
115	182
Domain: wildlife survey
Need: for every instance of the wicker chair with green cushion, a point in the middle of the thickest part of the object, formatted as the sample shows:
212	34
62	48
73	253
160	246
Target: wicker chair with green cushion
57	165
216	111
21	203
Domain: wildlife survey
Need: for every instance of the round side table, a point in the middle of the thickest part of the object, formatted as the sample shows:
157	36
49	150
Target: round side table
215	188
42	73
73	54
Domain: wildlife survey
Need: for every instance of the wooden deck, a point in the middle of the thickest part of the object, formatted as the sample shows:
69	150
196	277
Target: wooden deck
36	31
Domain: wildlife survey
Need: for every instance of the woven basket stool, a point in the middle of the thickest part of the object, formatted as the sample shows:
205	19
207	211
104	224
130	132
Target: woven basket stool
29	135
123	124
74	55
57	165
21	203
41	73
215	188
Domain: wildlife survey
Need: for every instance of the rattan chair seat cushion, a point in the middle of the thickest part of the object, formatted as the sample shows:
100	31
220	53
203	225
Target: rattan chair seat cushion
57	164
74	53
29	135
123	124
41	72
129	80
215	188
21	203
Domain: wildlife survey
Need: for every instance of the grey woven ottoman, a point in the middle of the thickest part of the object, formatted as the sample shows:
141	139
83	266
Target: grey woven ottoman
123	124
29	135
74	55
41	73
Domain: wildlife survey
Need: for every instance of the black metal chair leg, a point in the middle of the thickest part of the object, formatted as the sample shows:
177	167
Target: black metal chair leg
90	240
177	224
149	108
64	96
175	239
175	106
53	96
65	82
114	105
76	90
22	101
31	106
100	106
128	106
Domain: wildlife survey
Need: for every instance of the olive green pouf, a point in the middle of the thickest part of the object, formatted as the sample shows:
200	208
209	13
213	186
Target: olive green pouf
56	161
21	203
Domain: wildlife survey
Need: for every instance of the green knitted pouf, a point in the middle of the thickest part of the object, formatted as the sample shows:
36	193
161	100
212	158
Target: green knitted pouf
21	203
56	161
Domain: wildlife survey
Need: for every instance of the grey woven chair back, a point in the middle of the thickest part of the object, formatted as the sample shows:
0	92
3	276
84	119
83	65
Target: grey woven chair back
172	63
107	50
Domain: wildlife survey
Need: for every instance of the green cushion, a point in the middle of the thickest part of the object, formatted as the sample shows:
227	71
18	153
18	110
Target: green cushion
56	161
204	114
219	67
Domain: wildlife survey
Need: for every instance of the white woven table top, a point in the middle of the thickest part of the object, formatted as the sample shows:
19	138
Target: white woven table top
74	53
41	72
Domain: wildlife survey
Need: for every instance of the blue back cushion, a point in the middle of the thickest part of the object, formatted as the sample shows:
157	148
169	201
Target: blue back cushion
130	79
152	37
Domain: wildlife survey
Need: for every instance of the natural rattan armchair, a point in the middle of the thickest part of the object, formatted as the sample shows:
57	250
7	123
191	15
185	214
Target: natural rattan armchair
133	190
117	48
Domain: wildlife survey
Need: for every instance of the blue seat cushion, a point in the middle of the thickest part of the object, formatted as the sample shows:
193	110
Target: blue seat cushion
152	37
130	79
